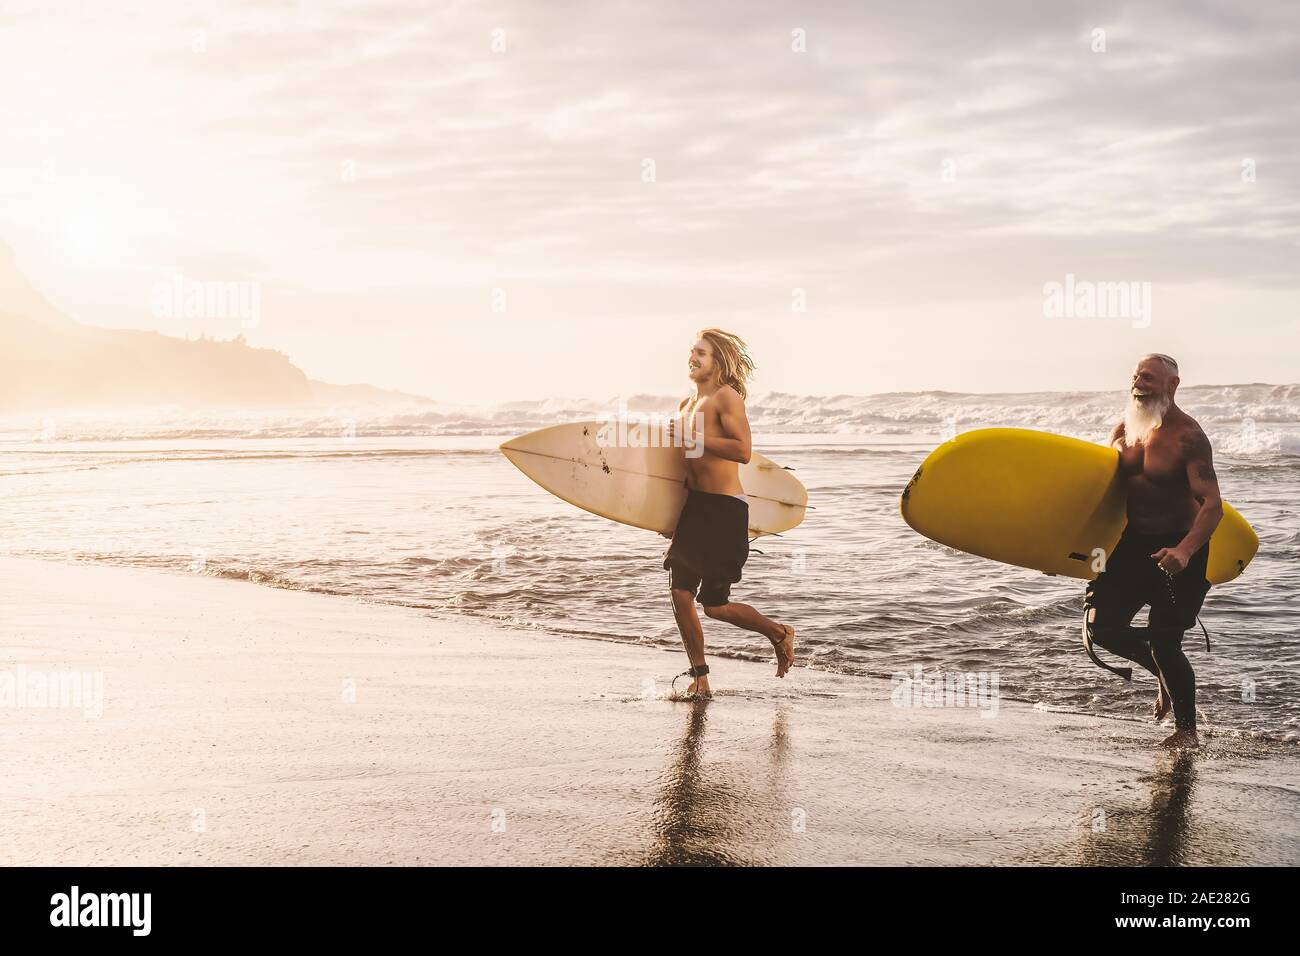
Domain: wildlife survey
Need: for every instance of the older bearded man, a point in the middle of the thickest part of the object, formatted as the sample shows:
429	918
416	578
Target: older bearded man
1173	508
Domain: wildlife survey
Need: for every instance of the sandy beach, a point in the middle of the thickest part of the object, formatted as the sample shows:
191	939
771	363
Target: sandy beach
249	725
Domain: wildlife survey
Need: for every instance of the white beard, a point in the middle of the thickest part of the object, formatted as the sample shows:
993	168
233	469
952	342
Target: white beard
1140	420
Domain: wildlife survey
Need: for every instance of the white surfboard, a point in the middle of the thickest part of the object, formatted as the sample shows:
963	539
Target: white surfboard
643	487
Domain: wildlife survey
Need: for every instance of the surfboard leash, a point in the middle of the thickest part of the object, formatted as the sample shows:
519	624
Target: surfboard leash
1126	673
694	671
1173	602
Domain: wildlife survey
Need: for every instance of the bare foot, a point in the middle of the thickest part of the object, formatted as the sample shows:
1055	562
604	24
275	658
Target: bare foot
1181	740
1162	705
784	651
699	688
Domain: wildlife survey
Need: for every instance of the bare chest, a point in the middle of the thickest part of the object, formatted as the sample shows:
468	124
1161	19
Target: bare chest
1163	460
702	413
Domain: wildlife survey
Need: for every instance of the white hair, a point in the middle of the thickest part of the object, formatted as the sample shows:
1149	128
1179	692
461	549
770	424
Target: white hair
1169	363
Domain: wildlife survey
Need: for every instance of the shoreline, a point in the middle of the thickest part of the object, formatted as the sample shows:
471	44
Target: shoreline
261	725
1285	745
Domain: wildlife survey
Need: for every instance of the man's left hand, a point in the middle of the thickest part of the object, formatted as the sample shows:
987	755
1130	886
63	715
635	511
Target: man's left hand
1172	560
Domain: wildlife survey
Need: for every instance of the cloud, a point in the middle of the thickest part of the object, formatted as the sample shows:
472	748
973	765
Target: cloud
918	153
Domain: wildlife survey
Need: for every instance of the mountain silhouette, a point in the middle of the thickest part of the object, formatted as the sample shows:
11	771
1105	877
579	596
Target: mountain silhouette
48	360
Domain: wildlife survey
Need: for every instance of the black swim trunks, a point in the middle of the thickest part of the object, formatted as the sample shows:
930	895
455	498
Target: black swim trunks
709	546
1131	580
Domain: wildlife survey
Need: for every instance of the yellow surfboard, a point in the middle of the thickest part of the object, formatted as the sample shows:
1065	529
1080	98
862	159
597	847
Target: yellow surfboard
1040	501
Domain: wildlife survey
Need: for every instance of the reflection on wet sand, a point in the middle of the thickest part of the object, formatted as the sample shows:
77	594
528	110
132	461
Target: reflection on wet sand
709	814
1169	822
1162	831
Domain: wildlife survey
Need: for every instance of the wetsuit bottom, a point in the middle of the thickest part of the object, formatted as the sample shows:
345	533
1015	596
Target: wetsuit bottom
1132	579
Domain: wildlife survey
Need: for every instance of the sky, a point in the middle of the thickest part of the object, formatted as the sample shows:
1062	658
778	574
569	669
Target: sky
489	201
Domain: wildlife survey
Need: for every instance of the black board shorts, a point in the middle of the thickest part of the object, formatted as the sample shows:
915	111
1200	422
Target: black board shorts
1132	579
709	546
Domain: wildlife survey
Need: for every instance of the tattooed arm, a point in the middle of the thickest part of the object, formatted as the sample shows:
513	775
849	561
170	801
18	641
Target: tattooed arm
1205	487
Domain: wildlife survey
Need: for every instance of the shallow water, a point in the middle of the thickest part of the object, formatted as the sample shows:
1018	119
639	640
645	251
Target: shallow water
444	521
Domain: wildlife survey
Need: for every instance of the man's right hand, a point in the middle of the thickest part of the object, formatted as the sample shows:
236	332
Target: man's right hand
1172	560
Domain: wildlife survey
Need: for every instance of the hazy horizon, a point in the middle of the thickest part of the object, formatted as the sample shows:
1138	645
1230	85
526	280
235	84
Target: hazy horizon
386	177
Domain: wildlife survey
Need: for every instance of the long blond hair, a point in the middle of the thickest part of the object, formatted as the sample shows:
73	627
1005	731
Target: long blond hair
735	366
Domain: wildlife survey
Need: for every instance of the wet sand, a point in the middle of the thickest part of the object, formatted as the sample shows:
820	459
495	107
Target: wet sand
248	725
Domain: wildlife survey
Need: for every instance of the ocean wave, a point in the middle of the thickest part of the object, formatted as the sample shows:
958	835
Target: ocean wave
1246	420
